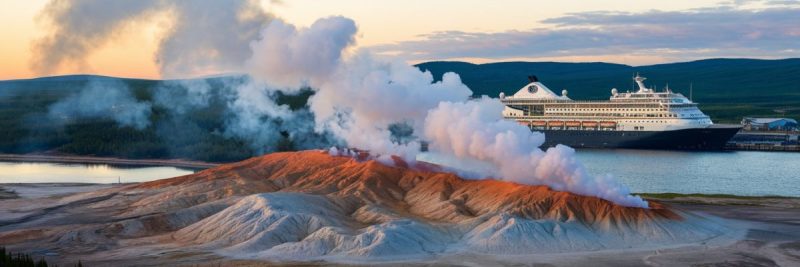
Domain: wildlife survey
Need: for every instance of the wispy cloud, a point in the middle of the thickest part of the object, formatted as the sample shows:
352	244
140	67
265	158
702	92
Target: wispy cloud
723	31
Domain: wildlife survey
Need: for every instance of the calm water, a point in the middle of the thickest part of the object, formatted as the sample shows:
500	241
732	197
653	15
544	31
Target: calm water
747	173
23	172
740	173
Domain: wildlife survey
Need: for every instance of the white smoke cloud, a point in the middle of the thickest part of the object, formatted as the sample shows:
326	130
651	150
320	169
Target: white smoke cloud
209	37
476	130
202	36
256	117
251	112
357	99
289	58
79	27
362	97
181	96
366	96
103	99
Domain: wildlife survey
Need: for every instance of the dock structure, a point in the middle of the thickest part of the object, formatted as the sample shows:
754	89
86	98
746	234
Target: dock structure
762	147
765	141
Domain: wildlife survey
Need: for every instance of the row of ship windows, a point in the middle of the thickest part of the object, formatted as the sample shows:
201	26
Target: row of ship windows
656	121
618	115
606	109
646	121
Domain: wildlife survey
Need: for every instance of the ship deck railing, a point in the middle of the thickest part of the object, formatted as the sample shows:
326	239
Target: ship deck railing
658	102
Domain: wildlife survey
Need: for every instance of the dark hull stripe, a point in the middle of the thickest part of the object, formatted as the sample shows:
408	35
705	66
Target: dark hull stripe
712	138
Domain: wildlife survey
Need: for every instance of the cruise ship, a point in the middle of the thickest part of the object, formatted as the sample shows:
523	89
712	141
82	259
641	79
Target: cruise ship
644	119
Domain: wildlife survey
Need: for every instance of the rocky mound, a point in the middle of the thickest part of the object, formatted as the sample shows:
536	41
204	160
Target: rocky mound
419	191
310	205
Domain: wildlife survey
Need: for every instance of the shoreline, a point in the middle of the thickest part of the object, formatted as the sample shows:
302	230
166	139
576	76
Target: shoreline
179	163
664	197
8	191
725	200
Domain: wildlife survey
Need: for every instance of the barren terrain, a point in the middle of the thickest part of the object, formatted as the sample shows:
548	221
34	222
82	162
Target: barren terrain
312	208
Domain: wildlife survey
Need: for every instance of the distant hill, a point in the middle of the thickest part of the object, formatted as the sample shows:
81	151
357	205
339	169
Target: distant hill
25	126
726	88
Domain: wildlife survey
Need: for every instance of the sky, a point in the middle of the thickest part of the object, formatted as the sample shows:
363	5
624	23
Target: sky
628	32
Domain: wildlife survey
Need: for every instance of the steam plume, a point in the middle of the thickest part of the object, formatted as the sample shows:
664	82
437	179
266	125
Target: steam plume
366	97
476	130
288	58
79	27
363	98
107	99
359	101
209	37
203	36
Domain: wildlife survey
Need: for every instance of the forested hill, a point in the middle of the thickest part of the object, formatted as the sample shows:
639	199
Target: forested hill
95	115
83	123
726	88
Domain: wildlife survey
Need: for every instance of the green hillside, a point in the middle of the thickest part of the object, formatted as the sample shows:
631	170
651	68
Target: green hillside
25	126
726	89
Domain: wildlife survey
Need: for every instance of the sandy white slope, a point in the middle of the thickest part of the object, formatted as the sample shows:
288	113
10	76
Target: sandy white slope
309	205
297	226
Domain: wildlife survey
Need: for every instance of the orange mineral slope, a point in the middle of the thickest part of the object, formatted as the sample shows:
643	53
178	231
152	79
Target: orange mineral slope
417	191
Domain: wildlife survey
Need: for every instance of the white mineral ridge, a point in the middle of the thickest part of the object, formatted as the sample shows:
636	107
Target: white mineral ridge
507	234
298	226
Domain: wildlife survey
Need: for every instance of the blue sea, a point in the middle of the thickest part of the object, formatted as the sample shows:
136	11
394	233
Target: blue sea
747	173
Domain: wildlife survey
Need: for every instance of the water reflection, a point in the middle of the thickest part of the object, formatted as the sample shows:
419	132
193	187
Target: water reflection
26	172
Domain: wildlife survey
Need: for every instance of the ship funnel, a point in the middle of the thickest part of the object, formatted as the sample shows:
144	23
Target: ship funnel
640	82
533	78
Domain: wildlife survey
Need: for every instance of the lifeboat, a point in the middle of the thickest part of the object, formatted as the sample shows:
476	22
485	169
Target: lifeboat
608	124
589	124
538	123
555	123
572	124
523	123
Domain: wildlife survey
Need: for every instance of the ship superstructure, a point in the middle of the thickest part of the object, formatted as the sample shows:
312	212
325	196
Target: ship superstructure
629	119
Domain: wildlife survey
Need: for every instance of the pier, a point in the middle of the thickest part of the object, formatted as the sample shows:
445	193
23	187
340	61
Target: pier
762	147
765	141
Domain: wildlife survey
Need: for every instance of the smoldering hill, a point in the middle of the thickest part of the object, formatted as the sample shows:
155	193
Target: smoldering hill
309	205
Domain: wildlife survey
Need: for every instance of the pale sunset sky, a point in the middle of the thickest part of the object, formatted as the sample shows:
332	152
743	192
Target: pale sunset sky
628	32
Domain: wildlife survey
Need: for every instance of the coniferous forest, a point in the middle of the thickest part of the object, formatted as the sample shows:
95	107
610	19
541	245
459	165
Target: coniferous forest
30	122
